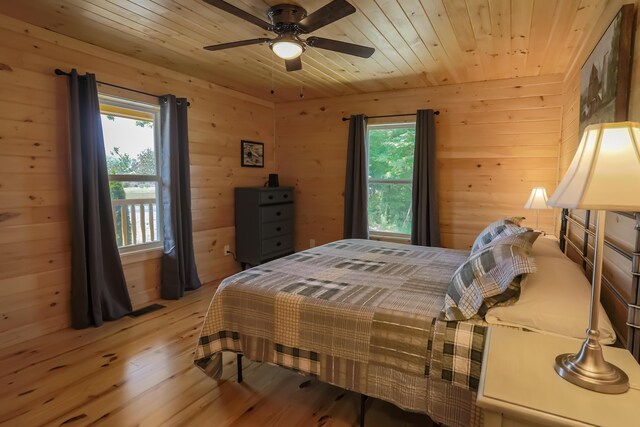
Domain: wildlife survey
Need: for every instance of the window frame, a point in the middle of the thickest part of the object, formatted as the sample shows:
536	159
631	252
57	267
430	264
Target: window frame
113	101
399	125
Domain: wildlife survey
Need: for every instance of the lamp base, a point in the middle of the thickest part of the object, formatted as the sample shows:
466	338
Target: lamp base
589	370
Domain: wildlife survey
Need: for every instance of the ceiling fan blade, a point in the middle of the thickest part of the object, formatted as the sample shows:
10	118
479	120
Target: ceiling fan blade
294	64
227	7
327	14
236	44
342	47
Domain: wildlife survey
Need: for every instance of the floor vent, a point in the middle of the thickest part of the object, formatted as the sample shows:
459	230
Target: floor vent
144	310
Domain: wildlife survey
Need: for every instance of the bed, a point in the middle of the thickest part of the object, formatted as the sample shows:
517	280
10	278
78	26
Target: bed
358	314
366	316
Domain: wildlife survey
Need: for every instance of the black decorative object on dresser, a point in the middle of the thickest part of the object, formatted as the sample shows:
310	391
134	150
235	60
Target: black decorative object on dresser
264	224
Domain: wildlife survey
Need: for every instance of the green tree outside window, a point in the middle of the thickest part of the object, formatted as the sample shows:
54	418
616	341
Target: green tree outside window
390	175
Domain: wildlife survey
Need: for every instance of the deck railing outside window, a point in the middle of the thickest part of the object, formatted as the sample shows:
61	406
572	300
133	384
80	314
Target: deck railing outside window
135	221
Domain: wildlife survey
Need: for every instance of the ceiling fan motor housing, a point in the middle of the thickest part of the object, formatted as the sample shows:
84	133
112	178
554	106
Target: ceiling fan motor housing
285	18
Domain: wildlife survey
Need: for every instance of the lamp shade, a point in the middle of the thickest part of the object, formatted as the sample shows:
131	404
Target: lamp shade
537	199
605	171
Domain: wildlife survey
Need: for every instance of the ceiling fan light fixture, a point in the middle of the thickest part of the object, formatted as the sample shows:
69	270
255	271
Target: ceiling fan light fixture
288	22
286	48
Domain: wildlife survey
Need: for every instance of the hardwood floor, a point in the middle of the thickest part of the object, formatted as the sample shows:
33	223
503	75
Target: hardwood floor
139	371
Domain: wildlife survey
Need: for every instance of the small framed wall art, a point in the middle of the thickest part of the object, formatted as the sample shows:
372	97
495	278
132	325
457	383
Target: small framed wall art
252	154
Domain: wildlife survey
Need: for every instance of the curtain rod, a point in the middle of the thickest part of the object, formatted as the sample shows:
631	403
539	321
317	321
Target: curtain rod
435	113
59	72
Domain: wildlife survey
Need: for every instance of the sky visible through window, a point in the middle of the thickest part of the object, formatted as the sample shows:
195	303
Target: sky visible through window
123	133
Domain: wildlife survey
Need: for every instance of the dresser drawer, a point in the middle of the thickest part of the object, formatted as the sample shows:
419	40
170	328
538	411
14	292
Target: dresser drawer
273	229
275	196
276	213
277	245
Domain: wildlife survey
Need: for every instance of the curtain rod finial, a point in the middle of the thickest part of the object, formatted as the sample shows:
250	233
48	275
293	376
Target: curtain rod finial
59	72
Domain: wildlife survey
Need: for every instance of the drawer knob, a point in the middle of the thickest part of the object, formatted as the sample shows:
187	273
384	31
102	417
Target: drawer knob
286	196
279	228
278	244
278	213
270	196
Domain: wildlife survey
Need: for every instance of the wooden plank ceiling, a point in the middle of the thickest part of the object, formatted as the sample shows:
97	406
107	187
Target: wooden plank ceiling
418	42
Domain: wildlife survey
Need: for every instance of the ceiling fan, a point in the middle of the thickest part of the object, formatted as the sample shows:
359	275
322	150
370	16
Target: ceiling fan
288	22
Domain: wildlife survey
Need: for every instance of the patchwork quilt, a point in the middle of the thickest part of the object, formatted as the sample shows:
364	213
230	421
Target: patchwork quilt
360	314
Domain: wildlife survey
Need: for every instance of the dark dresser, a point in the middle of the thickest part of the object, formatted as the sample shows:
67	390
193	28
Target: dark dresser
264	224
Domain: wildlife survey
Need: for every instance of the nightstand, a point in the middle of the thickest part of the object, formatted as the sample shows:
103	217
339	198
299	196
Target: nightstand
519	387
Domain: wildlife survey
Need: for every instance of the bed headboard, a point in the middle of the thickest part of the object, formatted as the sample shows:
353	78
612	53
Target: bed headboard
621	266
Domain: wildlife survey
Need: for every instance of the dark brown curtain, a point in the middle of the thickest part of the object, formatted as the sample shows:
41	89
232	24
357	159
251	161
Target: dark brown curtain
179	272
425	223
355	186
98	288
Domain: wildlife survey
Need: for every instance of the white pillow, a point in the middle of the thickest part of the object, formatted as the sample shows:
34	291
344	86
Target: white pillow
547	246
554	300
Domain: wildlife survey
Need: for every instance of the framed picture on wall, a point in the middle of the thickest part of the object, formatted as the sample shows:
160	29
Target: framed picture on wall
606	75
252	154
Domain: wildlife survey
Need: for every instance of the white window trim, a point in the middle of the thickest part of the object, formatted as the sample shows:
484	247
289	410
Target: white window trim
377	234
155	110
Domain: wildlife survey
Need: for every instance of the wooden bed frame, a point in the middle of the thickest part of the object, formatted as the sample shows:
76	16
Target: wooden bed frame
621	266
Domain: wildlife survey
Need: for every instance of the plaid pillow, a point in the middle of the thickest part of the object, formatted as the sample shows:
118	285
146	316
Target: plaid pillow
490	276
503	227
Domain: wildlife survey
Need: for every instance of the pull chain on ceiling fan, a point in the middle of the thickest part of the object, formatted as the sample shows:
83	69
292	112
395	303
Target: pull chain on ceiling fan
288	22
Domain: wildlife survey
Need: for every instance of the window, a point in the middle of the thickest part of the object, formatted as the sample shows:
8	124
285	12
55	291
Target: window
390	177
131	143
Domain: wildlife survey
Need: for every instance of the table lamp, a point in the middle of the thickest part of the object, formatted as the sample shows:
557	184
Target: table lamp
604	175
537	200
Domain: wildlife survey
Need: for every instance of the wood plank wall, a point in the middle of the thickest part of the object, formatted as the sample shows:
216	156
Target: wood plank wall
34	228
570	119
495	141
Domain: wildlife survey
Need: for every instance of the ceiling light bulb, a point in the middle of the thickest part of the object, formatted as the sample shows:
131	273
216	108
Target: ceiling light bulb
287	49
